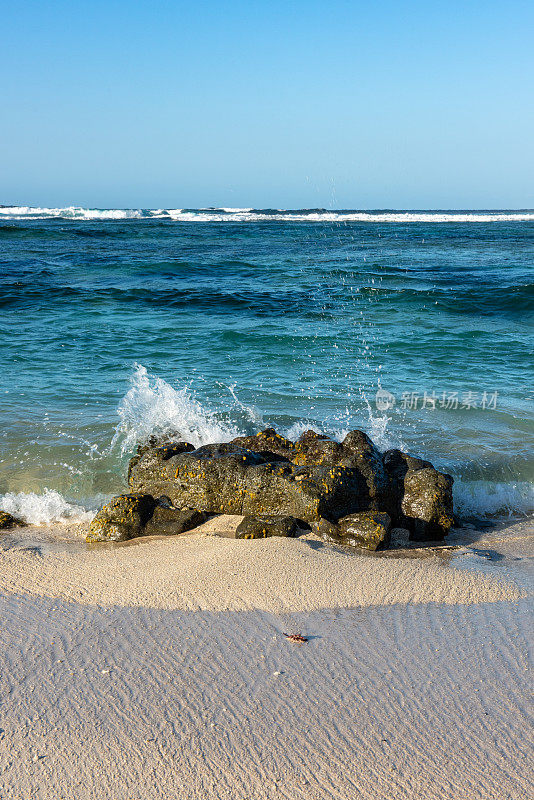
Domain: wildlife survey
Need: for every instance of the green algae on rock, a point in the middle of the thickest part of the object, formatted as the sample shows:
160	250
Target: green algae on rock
420	496
368	529
8	521
169	521
231	479
131	515
265	526
427	504
123	518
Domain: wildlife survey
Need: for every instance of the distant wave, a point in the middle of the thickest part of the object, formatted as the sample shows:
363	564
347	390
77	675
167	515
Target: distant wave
72	212
15	213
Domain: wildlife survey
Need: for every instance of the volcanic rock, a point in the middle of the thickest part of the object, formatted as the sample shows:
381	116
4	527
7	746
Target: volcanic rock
268	525
368	529
8	521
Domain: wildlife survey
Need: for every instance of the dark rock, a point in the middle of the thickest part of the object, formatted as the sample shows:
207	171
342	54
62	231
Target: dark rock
230	449
174	449
8	521
168	439
131	515
427	504
310	436
368	529
268	441
328	531
361	454
229	479
167	447
397	463
264	526
420	496
312	449
169	521
356	452
124	517
399	538
315	480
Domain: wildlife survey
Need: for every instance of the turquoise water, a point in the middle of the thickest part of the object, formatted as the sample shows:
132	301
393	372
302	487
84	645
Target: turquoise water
213	322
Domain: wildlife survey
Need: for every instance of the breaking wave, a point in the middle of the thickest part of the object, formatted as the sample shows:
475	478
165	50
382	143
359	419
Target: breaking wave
259	215
151	407
489	499
43	509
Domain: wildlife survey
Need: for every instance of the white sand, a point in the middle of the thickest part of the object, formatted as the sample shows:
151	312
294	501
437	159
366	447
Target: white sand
158	669
205	572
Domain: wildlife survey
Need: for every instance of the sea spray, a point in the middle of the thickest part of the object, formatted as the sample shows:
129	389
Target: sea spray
251	413
152	407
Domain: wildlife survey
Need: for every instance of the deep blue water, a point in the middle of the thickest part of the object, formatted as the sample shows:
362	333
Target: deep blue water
220	323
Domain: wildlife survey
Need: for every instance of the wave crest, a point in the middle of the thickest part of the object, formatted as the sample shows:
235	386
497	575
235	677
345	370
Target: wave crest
494	499
43	509
152	407
259	215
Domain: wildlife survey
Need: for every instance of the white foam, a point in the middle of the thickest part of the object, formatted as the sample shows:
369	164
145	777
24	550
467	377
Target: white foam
43	509
153	407
486	498
70	212
244	215
298	428
249	215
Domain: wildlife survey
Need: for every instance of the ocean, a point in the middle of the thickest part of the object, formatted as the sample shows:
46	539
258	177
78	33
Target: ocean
414	326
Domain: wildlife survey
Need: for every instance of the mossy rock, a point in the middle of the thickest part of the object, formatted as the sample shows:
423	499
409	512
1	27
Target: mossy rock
313	479
266	526
268	441
427	504
129	516
230	479
420	499
8	521
123	518
369	530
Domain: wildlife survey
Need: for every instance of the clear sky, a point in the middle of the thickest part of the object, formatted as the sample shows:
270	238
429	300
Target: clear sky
267	103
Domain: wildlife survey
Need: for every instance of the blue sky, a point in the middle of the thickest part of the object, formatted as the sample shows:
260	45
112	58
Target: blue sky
267	104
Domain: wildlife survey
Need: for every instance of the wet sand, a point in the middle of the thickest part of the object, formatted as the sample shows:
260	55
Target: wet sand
159	668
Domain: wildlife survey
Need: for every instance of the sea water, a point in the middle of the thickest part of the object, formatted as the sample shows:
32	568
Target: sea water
413	326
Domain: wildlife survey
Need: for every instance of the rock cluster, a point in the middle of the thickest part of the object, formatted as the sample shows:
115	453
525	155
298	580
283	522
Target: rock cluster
347	492
8	521
130	515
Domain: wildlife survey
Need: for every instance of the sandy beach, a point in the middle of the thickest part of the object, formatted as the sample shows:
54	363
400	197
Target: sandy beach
159	668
